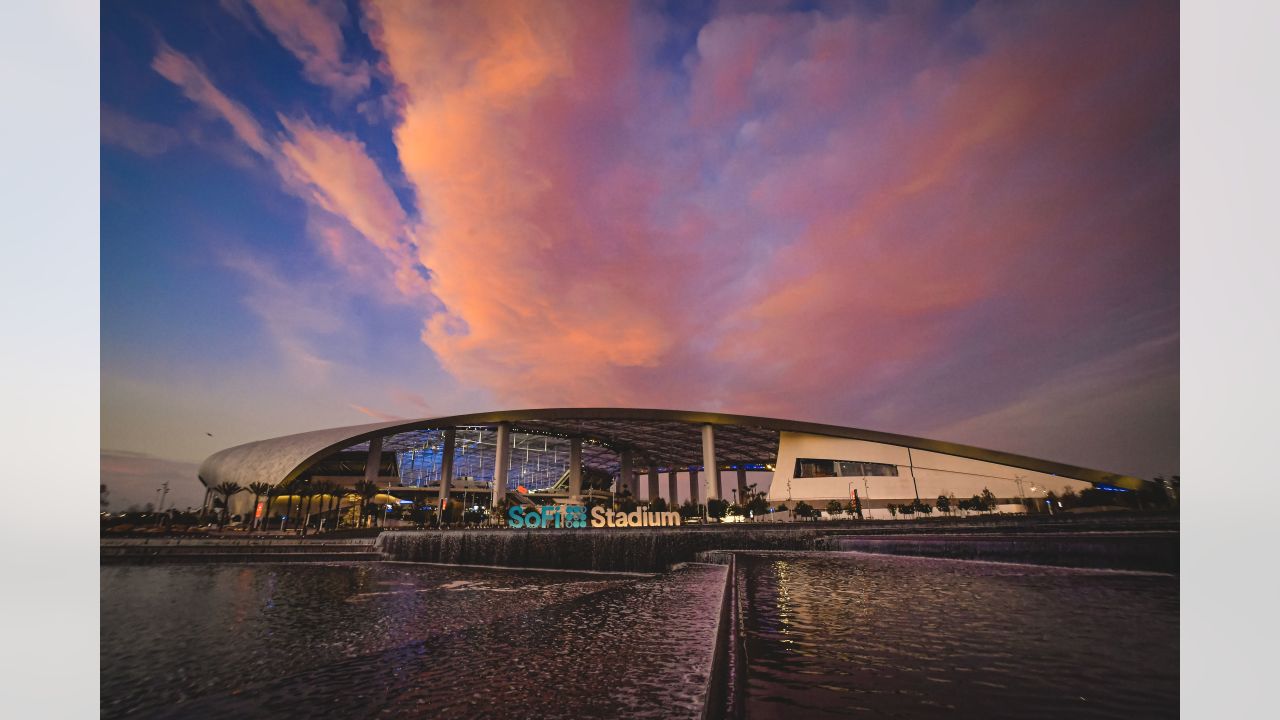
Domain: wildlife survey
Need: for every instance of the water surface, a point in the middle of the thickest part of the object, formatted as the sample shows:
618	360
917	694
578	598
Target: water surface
404	640
851	634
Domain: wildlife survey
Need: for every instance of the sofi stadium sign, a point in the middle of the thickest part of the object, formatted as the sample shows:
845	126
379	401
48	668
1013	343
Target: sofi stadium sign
577	516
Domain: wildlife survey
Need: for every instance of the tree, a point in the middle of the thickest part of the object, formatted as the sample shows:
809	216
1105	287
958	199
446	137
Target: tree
804	510
907	509
259	489
1069	498
758	504
657	505
226	490
366	490
716	508
944	504
689	510
328	494
834	507
988	500
893	510
625	501
923	508
334	502
781	508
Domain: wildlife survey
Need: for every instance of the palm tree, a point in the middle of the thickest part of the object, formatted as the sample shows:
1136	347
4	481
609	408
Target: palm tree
328	492
296	490
309	491
320	490
259	489
366	490
266	512
226	490
338	492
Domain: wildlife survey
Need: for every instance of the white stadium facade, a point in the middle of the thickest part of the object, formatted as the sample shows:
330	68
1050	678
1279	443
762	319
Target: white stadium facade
593	454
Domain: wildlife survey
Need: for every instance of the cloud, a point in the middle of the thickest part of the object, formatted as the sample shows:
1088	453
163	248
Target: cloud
334	173
196	86
301	318
376	414
313	31
547	229
352	214
925	205
144	138
903	217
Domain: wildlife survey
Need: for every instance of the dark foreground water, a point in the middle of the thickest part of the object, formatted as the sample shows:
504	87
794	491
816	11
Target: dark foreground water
818	635
830	635
365	640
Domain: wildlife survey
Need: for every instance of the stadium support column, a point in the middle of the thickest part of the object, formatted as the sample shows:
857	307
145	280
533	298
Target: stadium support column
742	485
625	478
672	497
653	483
446	464
374	463
501	464
371	466
693	485
709	462
575	469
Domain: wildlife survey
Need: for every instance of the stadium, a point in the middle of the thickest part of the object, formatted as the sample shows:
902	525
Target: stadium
600	455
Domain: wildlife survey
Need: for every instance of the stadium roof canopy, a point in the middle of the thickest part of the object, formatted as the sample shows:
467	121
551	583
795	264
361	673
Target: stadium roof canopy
663	439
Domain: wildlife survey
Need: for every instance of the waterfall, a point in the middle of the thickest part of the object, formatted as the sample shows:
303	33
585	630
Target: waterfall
623	550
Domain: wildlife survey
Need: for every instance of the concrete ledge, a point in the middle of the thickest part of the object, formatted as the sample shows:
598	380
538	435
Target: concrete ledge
144	559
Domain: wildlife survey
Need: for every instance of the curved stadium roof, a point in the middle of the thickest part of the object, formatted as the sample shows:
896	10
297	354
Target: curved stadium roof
657	438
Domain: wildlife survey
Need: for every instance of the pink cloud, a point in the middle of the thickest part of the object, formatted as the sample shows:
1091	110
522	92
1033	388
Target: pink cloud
376	414
904	218
195	84
334	172
592	244
354	215
312	31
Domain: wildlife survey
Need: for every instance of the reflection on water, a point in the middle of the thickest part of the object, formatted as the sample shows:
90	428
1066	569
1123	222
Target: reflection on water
840	634
402	640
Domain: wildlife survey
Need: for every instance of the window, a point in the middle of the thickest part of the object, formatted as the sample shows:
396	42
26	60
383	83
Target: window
815	468
810	468
867	469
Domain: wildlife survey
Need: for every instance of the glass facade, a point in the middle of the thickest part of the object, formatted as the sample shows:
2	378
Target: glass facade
537	462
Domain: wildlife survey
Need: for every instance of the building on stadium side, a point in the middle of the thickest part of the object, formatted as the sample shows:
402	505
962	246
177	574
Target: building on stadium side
595	454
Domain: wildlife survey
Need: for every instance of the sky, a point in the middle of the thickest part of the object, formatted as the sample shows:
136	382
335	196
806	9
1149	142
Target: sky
957	220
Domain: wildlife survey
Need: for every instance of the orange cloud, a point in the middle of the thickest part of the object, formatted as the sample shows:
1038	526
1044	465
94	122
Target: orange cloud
833	196
356	217
939	210
312	31
335	173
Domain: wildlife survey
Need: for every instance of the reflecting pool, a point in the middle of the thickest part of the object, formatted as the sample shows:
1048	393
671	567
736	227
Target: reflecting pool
852	634
404	640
